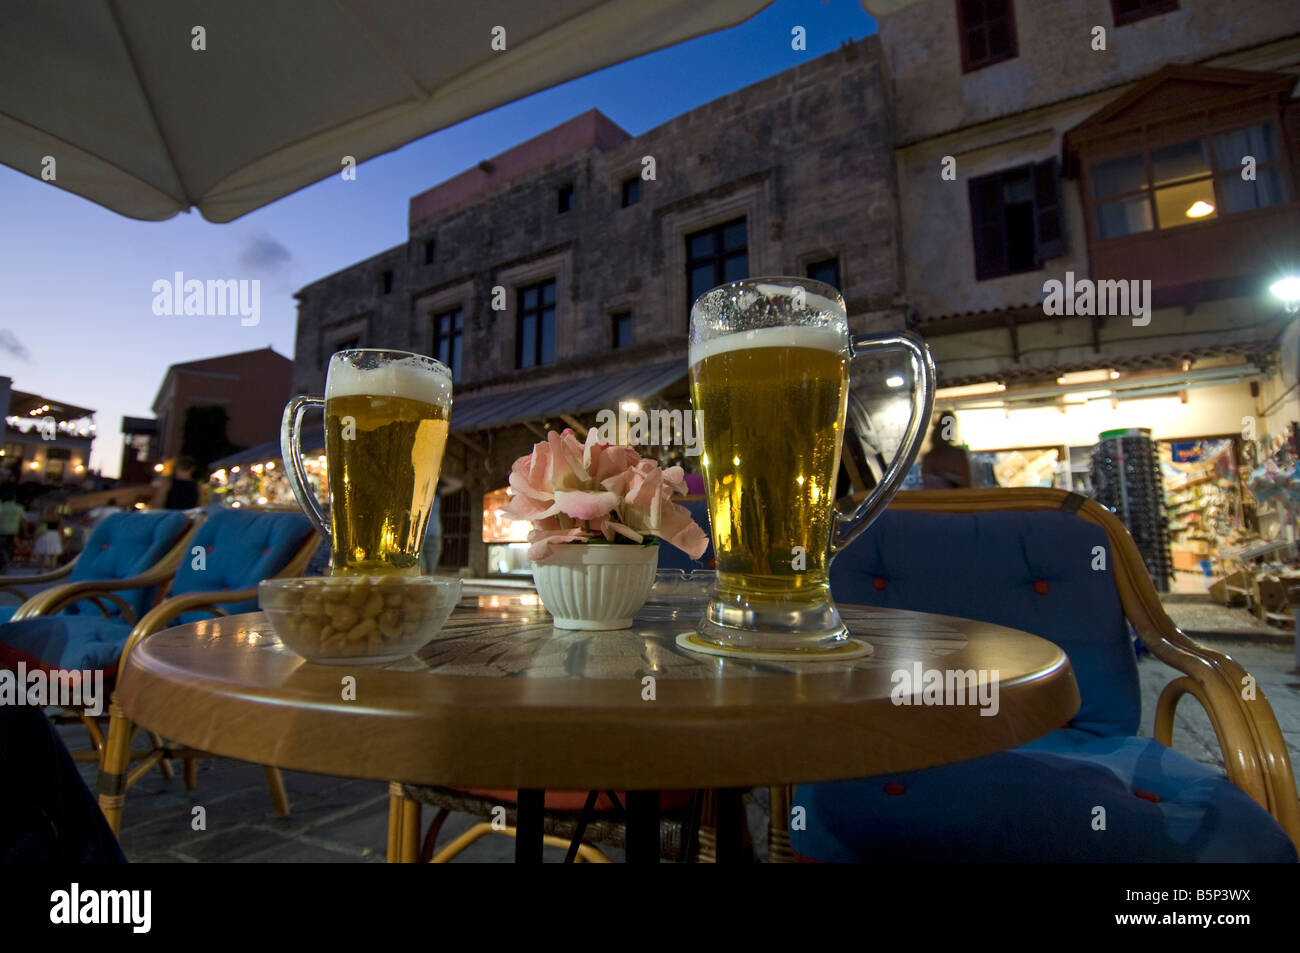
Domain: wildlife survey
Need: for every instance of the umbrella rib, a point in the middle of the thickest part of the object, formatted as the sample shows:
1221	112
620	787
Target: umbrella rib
390	56
153	115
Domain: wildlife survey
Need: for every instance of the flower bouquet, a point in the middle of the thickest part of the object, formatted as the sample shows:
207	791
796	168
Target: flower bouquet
585	499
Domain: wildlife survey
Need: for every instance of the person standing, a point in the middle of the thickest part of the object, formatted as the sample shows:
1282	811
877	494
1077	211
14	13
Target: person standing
431	551
183	494
49	545
945	465
11	520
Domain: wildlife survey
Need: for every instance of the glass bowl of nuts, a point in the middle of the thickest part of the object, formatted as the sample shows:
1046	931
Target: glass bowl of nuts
348	619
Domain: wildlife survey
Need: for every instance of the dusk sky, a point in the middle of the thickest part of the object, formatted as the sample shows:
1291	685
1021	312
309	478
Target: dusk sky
76	318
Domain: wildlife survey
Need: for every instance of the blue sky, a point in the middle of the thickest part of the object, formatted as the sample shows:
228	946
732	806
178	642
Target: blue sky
76	319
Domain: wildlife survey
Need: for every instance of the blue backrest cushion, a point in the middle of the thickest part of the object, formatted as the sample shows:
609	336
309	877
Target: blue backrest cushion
240	549
124	545
1027	570
670	557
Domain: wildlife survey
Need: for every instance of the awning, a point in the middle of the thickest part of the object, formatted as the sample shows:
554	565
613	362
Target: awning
149	107
480	411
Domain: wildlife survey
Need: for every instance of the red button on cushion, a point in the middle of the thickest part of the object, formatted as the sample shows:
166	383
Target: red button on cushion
1147	795
1041	587
894	788
105	546
878	583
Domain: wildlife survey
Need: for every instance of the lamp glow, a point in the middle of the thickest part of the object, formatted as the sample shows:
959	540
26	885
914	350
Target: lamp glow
1200	209
1287	289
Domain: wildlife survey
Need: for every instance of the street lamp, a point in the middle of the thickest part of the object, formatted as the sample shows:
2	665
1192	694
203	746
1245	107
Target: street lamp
1288	289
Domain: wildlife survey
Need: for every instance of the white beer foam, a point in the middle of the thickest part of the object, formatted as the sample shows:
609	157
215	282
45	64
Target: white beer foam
821	339
409	378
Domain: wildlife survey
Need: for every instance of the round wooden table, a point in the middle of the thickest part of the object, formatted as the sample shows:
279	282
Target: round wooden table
501	699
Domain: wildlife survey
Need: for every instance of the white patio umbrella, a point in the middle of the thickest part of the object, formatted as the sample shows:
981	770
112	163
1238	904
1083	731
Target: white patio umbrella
150	107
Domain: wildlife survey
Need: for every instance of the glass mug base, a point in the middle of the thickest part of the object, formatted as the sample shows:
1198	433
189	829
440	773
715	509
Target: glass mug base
797	627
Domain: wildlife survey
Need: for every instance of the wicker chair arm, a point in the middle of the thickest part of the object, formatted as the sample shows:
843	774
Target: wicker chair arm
60	597
161	615
1255	753
39	579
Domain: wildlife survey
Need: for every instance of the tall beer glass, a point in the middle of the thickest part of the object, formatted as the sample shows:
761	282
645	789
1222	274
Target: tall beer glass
386	418
770	387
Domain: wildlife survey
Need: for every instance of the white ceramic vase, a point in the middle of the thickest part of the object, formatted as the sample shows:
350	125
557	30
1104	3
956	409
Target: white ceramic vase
596	585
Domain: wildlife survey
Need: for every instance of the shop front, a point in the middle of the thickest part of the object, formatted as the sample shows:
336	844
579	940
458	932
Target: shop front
1202	426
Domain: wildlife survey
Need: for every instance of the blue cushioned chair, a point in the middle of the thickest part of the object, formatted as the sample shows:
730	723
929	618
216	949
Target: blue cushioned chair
230	554
215	571
1064	568
124	546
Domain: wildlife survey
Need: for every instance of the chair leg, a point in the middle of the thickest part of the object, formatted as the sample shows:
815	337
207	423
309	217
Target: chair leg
112	772
587	853
279	796
191	773
409	848
431	837
164	765
92	729
394	822
707	835
779	850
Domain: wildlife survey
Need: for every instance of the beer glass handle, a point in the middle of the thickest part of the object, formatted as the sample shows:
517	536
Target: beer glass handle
291	451
848	527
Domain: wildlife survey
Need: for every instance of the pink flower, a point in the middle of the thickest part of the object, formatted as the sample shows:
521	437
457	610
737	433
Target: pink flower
574	492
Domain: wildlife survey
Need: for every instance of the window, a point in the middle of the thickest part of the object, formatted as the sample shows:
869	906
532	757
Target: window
1183	183
1130	11
535	325
430	247
448	330
986	32
631	191
621	325
1016	220
564	198
347	344
716	256
456	525
11	458
56	463
827	270
386	282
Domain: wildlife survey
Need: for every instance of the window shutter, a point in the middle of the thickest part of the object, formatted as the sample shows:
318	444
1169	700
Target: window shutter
1049	236
988	227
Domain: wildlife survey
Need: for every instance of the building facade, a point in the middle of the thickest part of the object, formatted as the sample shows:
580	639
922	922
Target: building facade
1072	143
556	279
1096	198
251	386
45	440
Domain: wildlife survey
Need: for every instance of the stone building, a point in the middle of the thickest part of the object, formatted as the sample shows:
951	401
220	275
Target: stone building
1147	141
556	278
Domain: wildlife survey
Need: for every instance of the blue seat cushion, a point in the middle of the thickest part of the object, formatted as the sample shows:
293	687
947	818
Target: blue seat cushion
1038	803
70	642
1032	571
240	548
7	612
124	545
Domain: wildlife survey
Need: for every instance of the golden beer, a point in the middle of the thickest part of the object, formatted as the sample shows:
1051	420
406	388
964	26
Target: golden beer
770	388
770	407
383	454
